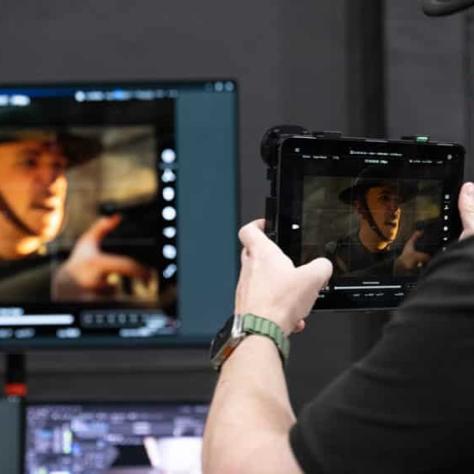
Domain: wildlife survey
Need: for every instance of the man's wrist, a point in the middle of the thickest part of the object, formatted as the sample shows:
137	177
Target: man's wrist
240	327
257	325
251	345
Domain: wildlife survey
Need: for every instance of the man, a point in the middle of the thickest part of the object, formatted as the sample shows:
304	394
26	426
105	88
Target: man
33	192
372	250
406	407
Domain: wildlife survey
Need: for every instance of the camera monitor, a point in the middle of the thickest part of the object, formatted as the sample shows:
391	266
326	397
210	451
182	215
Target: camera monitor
118	213
114	438
379	210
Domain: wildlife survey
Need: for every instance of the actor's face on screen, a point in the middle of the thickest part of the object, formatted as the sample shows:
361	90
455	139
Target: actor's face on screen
383	203
33	185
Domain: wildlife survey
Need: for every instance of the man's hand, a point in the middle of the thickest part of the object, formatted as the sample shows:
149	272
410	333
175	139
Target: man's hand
410	259
251	406
85	274
271	287
466	210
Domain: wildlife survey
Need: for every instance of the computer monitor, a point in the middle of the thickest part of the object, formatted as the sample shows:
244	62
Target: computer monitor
114	438
118	213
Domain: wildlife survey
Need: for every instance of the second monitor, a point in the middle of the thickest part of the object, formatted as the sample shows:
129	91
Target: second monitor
118	212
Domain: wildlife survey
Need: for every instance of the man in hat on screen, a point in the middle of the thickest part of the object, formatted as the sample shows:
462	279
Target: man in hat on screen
33	192
377	197
33	186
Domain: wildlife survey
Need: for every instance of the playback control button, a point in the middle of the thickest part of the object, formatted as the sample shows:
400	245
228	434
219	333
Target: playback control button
109	319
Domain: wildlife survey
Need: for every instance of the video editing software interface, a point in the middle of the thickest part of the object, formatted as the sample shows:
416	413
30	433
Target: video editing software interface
113	438
380	211
118	212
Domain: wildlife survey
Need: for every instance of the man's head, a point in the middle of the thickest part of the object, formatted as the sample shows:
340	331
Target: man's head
377	196
33	183
33	186
380	206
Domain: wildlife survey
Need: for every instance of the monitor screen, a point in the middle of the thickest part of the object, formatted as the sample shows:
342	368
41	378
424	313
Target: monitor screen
118	213
114	438
379	210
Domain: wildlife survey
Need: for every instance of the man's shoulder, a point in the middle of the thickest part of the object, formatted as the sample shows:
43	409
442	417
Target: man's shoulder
334	246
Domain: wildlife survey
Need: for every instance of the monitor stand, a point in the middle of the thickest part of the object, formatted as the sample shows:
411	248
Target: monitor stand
15	375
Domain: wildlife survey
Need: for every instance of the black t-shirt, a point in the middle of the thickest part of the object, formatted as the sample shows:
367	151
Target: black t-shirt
408	406
351	258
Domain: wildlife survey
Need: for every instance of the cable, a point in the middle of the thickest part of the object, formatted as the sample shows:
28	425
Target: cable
445	7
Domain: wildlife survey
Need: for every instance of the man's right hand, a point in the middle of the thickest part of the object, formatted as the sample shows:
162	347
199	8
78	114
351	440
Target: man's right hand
411	259
85	274
466	210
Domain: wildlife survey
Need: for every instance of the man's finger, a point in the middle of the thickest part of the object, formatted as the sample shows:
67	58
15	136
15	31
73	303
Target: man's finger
102	227
415	236
254	239
122	265
316	273
466	209
260	223
300	326
243	256
423	257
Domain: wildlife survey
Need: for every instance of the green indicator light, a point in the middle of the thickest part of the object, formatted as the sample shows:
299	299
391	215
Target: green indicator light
422	139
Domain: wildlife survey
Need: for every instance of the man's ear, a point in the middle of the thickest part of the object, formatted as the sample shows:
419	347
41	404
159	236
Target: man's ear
360	208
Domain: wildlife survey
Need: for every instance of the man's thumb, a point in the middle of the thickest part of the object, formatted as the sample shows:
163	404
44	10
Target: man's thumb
316	273
466	209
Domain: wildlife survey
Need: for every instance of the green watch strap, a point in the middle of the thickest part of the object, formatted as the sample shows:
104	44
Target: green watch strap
252	324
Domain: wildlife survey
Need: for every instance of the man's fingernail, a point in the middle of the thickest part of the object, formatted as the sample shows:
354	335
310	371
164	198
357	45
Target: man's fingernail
470	190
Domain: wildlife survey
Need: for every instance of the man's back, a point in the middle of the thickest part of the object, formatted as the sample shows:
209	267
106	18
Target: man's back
407	406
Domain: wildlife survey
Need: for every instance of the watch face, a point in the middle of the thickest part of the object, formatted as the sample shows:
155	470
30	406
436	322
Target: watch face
222	337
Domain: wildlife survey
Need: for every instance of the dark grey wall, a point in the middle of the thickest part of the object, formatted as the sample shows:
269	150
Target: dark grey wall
290	59
426	73
325	65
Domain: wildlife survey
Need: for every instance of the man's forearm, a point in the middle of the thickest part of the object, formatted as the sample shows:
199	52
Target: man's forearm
251	415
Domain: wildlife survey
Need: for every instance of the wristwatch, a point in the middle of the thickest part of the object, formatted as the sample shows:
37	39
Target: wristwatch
237	328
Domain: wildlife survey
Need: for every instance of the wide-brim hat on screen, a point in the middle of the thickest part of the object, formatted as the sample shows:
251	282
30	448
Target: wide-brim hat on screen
372	177
78	149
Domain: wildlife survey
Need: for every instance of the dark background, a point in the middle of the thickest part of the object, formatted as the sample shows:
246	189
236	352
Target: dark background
365	67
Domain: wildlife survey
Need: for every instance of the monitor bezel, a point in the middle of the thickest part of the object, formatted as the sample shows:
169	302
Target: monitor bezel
161	341
292	170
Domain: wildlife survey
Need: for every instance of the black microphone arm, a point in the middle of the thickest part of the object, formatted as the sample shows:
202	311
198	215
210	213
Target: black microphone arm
445	7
